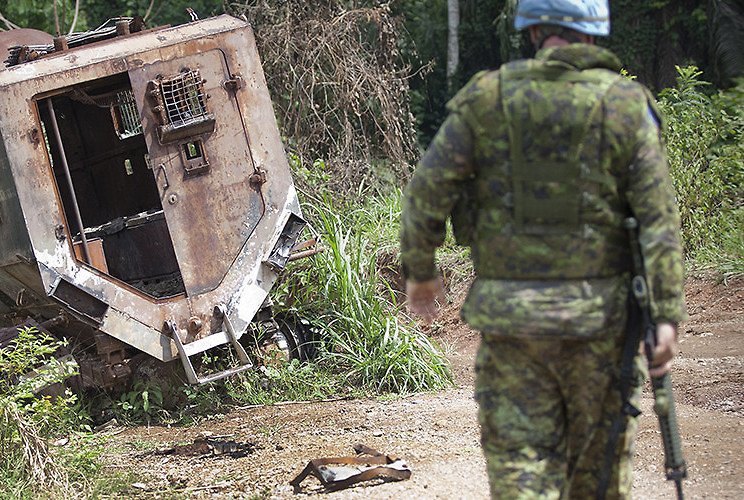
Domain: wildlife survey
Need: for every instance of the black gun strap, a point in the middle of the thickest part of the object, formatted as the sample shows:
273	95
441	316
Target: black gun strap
630	349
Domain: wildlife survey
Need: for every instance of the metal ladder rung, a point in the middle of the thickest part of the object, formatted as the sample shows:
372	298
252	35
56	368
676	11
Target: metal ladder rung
205	343
201	345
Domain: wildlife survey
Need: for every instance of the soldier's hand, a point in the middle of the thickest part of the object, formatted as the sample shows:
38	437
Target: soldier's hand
665	350
423	297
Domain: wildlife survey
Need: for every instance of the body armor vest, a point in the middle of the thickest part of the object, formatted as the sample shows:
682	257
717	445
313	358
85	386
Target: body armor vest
547	202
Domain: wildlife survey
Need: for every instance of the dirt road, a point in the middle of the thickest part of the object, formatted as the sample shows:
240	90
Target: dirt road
437	434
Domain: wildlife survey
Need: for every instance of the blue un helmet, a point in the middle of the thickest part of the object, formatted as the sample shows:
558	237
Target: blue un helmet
586	16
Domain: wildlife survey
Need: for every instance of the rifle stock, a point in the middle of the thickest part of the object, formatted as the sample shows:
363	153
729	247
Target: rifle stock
674	466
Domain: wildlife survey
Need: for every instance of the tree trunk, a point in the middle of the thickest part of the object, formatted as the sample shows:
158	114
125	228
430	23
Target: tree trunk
453	46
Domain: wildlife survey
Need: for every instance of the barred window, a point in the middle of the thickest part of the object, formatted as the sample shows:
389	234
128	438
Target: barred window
179	104
125	115
183	97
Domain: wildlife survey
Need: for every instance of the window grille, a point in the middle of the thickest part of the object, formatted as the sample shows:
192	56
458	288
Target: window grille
125	115
183	97
179	104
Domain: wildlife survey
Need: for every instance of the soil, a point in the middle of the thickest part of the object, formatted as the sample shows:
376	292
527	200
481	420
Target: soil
437	434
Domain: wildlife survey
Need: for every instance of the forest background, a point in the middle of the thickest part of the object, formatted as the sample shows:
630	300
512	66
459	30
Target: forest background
360	86
651	37
364	83
359	89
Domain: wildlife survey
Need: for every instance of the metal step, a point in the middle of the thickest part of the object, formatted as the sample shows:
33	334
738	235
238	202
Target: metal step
185	351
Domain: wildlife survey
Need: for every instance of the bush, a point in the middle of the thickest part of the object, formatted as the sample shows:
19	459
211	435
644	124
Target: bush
705	140
339	90
28	419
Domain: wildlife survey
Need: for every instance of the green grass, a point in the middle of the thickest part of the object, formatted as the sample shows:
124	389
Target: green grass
357	311
293	381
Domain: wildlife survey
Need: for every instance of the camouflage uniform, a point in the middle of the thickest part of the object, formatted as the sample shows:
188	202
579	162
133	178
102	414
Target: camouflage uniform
538	164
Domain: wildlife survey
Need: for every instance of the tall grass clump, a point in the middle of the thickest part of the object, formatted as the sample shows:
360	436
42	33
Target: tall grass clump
356	311
705	142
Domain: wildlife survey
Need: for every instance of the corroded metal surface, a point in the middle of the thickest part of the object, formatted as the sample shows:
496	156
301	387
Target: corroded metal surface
185	211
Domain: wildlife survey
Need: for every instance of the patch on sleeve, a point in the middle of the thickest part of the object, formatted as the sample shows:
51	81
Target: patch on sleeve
651	115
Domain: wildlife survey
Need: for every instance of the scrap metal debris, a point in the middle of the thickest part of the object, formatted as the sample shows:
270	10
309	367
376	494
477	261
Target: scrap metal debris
203	446
337	473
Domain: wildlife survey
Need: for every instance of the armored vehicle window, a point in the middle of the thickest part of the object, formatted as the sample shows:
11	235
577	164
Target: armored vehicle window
180	104
101	166
184	98
125	116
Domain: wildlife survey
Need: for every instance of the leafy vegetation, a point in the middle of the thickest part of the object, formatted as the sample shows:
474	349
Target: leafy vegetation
356	311
28	418
424	49
705	141
64	16
143	403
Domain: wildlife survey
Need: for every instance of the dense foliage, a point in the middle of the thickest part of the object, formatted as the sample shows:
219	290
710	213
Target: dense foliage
425	46
339	92
28	417
49	15
650	36
705	139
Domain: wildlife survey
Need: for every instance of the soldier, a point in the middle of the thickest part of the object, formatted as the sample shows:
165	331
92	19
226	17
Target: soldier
538	164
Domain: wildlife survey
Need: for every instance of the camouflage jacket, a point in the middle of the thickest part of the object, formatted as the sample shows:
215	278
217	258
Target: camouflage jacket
546	157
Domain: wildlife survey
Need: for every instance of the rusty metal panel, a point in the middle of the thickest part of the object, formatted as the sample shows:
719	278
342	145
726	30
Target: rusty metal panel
79	301
226	190
211	215
14	240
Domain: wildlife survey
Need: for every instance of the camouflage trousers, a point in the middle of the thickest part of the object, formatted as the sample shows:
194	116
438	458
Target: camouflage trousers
545	410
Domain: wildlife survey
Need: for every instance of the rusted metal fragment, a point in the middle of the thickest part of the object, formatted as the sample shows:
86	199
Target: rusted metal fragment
337	473
24	42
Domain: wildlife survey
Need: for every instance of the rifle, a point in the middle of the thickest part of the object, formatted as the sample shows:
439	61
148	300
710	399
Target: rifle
674	465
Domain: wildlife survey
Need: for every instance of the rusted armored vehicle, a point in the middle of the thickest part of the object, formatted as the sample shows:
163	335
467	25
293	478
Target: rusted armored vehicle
146	203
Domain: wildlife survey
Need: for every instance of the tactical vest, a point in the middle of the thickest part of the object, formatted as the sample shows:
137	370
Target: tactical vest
545	200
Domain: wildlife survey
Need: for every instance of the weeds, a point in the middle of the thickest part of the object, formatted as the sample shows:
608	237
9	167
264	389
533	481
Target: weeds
27	419
356	310
142	404
27	461
705	141
294	381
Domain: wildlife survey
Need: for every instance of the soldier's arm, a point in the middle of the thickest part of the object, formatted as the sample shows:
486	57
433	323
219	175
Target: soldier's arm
435	188
652	200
